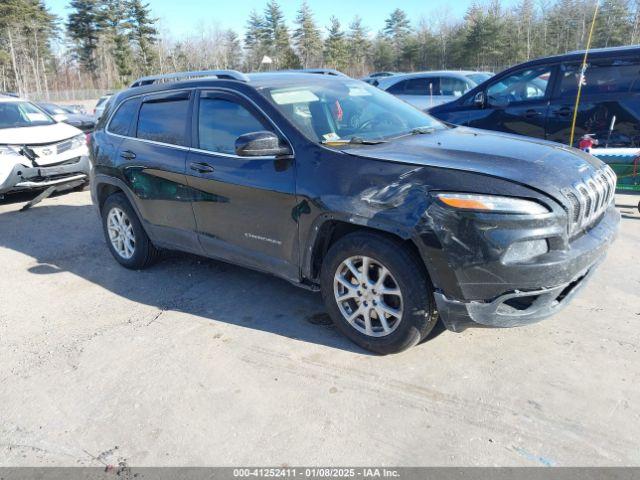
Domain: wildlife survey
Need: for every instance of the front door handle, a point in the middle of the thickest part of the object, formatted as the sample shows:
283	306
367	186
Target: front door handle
201	167
563	112
128	155
532	113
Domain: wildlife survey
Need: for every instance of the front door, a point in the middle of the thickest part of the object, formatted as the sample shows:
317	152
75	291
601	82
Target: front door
244	206
516	103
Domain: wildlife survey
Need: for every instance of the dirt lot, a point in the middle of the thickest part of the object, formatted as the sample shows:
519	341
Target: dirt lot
196	362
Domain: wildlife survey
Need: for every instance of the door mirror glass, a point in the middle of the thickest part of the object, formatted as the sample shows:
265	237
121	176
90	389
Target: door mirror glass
499	101
478	100
260	144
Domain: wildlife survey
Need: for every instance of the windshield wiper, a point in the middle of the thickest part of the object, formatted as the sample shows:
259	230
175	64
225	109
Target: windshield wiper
422	130
353	141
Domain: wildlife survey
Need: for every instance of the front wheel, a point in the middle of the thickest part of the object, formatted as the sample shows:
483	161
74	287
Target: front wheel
377	293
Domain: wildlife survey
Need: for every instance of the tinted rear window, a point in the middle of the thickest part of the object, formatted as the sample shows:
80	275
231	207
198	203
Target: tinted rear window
121	121
164	121
602	76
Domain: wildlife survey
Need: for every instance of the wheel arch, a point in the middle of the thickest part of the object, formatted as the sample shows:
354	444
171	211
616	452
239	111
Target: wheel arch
328	229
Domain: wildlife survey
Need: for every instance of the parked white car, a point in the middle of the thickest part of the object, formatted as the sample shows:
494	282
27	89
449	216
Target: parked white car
37	152
428	89
101	105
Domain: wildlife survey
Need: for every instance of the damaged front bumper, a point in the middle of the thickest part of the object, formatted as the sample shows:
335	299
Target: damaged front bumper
21	177
481	290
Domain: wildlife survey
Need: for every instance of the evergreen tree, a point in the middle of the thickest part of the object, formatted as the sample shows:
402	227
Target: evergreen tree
614	24
83	27
383	55
233	50
116	27
143	34
276	37
335	46
397	28
307	38
254	41
358	46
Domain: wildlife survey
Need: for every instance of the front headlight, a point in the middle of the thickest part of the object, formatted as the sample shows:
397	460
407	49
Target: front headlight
7	150
491	203
78	141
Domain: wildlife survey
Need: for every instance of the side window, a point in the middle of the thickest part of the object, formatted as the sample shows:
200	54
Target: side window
398	88
221	122
121	120
164	120
522	86
423	86
454	87
601	76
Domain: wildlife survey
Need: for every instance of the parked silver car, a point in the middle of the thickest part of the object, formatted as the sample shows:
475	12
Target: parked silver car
428	89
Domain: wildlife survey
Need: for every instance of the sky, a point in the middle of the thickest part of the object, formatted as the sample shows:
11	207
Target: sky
182	18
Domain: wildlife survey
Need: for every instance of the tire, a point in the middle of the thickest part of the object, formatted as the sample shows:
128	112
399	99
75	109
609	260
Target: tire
137	254
410	299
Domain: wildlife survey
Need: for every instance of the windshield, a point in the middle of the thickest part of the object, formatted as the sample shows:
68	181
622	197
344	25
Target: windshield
52	109
22	114
344	110
478	78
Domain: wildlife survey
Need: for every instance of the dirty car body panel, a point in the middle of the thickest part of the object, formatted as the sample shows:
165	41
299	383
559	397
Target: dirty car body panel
488	268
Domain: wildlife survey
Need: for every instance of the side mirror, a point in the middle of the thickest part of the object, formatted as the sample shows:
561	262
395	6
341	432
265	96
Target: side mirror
500	101
478	100
261	144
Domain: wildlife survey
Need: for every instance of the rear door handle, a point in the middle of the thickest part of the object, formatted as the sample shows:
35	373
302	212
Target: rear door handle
532	113
201	167
563	112
128	155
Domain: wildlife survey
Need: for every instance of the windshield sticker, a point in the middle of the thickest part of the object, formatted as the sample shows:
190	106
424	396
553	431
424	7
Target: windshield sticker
288	97
36	117
331	137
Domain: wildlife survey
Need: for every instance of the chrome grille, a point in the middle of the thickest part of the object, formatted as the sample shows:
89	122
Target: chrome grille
64	146
590	197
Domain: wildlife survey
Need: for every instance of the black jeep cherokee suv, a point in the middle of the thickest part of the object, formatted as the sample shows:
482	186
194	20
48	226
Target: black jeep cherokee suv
335	185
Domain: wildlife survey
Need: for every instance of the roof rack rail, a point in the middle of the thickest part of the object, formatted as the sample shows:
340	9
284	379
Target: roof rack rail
170	77
319	71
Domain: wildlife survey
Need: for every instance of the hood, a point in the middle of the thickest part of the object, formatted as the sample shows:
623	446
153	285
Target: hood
37	135
545	166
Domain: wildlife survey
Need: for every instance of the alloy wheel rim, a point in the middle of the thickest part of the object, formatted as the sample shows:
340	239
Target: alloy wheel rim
368	296
121	233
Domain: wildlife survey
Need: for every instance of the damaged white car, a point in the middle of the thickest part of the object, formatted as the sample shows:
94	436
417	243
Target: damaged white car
36	152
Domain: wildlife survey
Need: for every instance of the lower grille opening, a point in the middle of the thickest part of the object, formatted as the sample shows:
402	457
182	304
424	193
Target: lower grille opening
567	290
521	303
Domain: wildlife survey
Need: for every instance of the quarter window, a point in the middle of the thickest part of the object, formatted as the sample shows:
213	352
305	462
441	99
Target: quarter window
522	86
121	120
164	120
221	122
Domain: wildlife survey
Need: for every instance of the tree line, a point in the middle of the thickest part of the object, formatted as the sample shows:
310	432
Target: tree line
106	43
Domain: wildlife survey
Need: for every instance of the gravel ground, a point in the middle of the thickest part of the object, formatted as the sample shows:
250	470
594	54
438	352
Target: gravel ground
197	362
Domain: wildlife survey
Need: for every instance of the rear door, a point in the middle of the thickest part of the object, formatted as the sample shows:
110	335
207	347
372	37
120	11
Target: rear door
153	165
516	103
244	206
609	106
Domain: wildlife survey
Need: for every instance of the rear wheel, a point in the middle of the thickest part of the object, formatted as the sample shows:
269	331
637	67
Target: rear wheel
127	240
377	293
